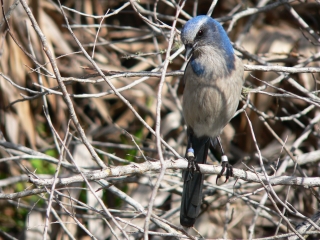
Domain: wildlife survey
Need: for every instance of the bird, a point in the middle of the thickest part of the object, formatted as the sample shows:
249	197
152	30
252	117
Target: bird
213	80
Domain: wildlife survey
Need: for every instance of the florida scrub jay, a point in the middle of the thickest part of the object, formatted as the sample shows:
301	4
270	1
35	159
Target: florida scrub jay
213	81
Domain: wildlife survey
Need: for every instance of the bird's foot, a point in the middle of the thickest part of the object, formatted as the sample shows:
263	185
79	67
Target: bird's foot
225	167
192	164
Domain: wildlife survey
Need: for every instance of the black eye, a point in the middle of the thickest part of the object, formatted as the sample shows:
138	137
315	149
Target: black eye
200	33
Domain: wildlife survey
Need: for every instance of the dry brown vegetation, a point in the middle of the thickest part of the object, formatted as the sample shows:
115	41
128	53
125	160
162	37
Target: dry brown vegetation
83	88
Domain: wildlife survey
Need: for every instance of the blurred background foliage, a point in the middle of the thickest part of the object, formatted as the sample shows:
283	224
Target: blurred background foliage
124	42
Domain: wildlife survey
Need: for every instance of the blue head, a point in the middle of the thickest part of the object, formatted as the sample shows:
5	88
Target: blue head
205	31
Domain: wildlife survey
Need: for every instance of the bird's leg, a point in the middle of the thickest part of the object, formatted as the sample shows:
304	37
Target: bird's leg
224	164
192	164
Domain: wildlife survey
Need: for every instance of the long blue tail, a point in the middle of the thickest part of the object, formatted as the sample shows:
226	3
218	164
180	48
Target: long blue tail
193	183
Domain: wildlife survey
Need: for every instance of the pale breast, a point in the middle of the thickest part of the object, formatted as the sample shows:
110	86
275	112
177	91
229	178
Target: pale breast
209	104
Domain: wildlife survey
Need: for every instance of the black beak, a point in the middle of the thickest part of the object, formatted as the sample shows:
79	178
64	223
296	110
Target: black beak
189	50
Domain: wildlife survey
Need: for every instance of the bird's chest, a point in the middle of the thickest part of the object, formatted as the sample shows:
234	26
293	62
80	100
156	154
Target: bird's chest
202	100
204	107
207	103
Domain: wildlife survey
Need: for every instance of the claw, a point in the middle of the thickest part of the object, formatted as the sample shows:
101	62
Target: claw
225	167
192	164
